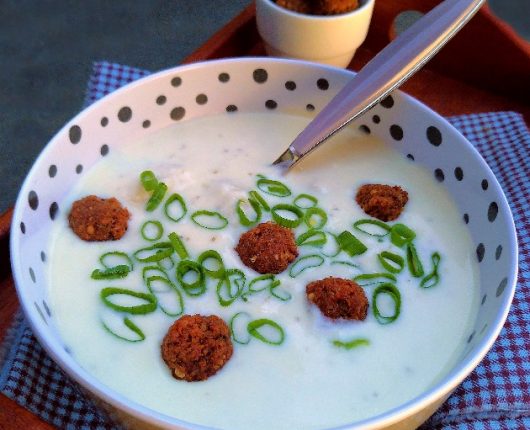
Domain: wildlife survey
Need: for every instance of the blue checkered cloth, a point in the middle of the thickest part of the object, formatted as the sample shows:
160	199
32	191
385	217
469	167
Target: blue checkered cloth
495	396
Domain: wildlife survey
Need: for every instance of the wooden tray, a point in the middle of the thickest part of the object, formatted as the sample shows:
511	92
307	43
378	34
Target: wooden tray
484	68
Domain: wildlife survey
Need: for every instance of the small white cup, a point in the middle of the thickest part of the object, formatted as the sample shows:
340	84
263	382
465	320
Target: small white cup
330	39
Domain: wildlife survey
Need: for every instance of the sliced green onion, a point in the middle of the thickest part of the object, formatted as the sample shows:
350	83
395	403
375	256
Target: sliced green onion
305	201
413	261
169	297
373	227
197	286
366	279
292	221
152	230
209	220
433	277
264	280
146	272
332	246
166	263
274	188
312	237
232	324
132	327
400	235
225	287
262	202
253	328
345	263
350	244
175	200
315	218
156	198
116	272
113	255
391	291
304	263
394	263
280	294
351	344
153	253
144	308
243	217
178	245
148	180
212	255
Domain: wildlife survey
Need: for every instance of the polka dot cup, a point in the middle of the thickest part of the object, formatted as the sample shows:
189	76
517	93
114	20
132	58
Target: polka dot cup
261	85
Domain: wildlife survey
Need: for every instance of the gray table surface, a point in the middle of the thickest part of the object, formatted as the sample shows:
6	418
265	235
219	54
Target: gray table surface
47	48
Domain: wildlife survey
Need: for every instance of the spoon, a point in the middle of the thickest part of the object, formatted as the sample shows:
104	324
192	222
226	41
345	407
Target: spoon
390	68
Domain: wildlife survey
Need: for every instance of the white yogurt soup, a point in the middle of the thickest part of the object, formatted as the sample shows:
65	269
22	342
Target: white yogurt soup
307	382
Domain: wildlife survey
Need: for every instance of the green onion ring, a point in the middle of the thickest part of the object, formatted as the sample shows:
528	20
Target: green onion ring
414	262
373	277
243	218
386	259
274	188
267	277
392	291
272	289
148	180
116	254
223	222
211	254
178	245
257	196
312	237
337	245
158	269
180	200
173	289
373	222
287	222
159	230
117	272
313	201
226	282
432	278
298	266
321	218
157	197
145	308
195	288
162	250
131	326
231	324
400	235
351	344
254	326
350	244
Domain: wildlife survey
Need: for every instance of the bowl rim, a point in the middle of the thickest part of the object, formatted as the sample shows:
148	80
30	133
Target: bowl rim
74	370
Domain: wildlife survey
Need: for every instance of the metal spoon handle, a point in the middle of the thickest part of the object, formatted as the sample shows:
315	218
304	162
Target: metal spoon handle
386	71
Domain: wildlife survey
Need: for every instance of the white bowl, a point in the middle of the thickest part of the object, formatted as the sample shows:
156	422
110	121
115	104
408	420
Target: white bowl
249	85
330	39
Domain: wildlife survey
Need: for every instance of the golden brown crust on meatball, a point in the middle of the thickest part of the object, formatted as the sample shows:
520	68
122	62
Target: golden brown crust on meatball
197	347
96	219
338	298
319	7
267	248
300	6
384	202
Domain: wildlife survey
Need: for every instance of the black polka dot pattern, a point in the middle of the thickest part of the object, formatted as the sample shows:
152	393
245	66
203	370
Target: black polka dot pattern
434	136
104	121
223	77
322	84
46	308
484	297
40	313
376	119
177	113
146	123
33	200
271	104
439	175
74	134
501	287
484	184
498	252
309	107
260	76
176	81
201	99
481	250
78	168
493	211
54	208
365	129
470	338
125	114
32	275
290	85
459	173
23	228
396	132
231	108
104	150
466	218
387	102
410	157
160	100
52	171
43	256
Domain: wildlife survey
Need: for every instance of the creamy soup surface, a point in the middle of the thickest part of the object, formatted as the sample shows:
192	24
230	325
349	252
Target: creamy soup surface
306	382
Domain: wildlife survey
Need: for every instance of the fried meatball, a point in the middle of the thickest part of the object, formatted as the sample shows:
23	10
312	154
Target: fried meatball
338	298
385	202
96	219
334	7
300	6
267	248
196	347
